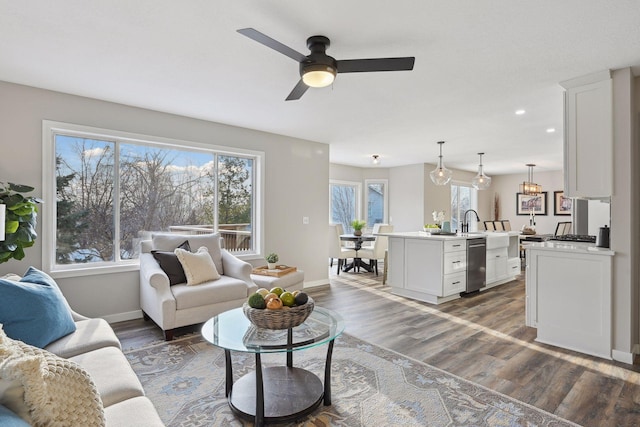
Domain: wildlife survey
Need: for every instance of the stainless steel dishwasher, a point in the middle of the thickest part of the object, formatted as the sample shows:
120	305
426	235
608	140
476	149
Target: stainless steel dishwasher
476	264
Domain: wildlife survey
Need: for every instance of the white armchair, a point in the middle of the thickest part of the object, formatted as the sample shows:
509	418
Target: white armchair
174	305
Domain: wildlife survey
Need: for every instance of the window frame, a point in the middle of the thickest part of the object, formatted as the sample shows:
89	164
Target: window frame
48	208
474	200
385	196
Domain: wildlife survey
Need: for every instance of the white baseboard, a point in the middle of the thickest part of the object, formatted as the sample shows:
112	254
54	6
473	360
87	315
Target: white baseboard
121	317
624	356
316	283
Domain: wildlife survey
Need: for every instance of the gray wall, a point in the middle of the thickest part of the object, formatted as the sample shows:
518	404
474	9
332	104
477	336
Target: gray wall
296	176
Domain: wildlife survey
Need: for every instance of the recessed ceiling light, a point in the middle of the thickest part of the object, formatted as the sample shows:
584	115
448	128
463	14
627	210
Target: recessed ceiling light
551	130
520	112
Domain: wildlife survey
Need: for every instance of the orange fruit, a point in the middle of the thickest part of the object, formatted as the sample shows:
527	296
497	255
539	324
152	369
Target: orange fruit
274	304
268	297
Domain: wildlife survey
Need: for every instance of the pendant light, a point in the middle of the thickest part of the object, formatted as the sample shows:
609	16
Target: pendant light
441	175
481	181
375	159
529	187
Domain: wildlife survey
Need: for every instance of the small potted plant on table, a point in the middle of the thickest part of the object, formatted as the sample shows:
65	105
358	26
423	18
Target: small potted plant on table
272	259
358	225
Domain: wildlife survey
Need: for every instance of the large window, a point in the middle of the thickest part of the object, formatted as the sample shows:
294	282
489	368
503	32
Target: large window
114	189
343	204
376	202
463	197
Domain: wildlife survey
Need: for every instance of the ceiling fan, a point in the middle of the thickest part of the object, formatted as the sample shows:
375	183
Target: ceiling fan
319	69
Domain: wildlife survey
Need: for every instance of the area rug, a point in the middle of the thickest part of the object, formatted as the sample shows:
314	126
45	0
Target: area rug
371	386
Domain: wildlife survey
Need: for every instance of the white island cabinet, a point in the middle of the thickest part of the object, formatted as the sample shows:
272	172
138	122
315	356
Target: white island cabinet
433	268
568	296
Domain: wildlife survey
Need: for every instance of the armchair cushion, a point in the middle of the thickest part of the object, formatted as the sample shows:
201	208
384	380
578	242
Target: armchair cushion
33	310
224	289
170	264
170	241
198	267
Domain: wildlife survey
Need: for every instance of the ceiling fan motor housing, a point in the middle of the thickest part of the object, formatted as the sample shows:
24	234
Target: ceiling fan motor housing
318	60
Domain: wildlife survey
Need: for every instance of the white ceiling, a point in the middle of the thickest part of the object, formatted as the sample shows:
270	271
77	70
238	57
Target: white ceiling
477	61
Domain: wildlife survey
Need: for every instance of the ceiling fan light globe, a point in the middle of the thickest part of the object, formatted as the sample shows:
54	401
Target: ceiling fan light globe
319	78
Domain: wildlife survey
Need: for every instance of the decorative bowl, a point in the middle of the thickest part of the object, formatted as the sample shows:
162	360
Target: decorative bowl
284	318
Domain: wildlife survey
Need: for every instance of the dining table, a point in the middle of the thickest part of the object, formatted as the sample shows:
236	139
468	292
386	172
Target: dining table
357	262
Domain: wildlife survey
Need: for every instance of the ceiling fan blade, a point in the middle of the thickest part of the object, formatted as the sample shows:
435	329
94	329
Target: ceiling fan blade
297	91
376	64
273	44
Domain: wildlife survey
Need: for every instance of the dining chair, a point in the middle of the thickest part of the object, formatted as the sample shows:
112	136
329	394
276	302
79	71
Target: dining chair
489	226
380	245
336	250
506	225
498	225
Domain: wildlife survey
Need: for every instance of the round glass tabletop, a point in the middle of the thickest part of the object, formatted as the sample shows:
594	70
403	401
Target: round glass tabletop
232	330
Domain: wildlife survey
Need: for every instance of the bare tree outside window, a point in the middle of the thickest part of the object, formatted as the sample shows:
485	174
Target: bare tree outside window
343	205
144	189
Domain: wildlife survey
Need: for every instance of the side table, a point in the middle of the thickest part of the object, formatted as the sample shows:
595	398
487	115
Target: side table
276	393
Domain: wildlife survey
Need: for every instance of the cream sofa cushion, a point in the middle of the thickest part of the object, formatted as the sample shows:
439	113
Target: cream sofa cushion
90	334
198	267
45	389
112	374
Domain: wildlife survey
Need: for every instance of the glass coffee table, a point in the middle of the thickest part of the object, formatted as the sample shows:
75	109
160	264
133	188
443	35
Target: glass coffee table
275	393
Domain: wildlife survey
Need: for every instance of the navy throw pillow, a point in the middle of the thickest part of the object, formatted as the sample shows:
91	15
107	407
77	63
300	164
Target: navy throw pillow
170	264
34	310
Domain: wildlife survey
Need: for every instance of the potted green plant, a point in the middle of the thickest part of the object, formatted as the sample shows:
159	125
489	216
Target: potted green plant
358	225
20	221
272	259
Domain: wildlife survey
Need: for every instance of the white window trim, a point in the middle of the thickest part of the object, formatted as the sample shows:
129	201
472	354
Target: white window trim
48	208
385	218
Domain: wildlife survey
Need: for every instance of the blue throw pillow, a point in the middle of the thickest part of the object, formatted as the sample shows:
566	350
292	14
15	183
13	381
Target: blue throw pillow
34	310
9	419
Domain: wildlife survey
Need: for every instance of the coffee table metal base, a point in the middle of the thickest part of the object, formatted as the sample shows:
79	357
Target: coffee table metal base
289	394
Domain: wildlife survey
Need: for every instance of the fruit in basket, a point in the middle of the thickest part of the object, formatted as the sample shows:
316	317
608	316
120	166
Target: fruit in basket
301	298
274	304
277	290
257	301
262	291
288	300
268	297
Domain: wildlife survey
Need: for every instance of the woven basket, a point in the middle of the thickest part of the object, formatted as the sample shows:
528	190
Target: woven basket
284	318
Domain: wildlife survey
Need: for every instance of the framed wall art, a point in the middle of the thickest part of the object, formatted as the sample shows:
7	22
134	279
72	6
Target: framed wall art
526	204
561	205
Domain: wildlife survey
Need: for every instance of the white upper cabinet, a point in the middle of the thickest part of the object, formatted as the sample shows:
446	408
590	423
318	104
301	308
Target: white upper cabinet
588	136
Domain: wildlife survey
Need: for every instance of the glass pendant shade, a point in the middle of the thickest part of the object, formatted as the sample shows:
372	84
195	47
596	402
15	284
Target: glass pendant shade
529	187
441	175
481	181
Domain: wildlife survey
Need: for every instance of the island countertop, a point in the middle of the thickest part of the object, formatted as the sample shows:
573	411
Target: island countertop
458	236
574	247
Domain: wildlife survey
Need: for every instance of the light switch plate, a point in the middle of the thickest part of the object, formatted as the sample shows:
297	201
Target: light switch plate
305	220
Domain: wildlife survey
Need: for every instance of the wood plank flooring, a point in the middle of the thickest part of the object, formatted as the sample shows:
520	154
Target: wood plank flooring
482	338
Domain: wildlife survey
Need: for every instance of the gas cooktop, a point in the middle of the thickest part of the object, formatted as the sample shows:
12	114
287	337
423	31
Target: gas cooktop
575	238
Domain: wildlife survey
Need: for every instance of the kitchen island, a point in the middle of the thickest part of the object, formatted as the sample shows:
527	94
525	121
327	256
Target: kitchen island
433	268
568	296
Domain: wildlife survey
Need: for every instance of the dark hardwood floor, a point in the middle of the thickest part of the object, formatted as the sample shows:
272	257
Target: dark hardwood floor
482	338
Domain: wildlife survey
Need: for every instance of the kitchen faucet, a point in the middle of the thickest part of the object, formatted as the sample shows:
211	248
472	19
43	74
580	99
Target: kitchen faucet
465	224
